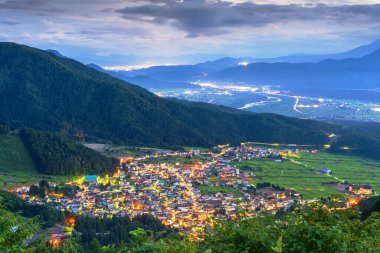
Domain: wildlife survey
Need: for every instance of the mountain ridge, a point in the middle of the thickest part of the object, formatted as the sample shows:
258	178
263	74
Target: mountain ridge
348	73
46	92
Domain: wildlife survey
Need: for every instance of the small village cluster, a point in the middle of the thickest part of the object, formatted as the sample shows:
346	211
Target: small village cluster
189	196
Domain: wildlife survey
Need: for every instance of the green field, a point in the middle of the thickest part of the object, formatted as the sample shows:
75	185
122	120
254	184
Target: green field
16	165
14	156
211	190
297	173
197	148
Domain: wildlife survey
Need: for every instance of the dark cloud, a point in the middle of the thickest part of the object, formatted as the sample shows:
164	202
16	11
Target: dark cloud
53	7
9	22
22	5
201	17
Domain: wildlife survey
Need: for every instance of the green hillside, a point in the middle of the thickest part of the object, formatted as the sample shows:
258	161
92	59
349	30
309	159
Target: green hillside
16	165
14	157
43	91
31	156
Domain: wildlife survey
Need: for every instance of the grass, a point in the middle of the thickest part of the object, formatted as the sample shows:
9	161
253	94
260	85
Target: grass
211	190
14	156
16	165
173	160
297	172
202	149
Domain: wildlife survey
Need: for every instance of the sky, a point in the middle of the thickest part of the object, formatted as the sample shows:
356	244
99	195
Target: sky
140	32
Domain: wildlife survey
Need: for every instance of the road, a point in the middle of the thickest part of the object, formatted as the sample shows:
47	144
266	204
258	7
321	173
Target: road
296	104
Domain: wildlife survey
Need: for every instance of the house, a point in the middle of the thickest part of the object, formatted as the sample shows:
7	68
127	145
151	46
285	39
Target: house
325	171
90	178
196	152
365	189
361	190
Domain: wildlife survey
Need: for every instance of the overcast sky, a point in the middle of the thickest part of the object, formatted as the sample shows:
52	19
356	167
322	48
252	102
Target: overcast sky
93	29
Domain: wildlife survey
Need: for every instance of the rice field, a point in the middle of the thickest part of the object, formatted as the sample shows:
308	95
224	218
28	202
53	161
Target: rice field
297	172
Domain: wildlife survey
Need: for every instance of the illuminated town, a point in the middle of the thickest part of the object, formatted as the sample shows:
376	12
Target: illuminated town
188	197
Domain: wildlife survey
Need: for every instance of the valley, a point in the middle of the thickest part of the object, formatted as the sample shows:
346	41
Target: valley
269	99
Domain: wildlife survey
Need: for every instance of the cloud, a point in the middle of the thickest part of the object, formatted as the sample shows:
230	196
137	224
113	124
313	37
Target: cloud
202	17
22	5
9	22
28	5
259	28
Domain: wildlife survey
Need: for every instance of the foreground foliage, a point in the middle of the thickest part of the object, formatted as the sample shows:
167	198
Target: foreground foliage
24	235
116	230
304	230
47	215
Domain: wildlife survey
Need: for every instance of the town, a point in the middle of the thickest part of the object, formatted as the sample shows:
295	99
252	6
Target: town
187	196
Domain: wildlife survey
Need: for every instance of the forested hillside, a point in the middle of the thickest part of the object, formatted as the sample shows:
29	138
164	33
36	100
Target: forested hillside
57	155
358	142
43	91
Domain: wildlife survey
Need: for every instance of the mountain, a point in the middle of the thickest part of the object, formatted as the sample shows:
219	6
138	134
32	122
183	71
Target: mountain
40	90
356	52
187	73
55	52
144	81
96	67
351	78
135	60
352	73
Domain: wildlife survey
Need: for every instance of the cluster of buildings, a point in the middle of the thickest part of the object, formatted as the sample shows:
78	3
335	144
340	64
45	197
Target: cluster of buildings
188	197
183	196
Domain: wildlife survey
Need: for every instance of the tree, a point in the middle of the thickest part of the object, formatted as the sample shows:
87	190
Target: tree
95	246
16	230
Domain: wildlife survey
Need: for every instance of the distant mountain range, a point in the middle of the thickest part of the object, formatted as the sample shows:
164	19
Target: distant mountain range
345	75
200	70
130	59
299	58
352	73
144	81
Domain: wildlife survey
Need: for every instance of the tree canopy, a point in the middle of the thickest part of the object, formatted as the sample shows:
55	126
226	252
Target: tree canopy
57	155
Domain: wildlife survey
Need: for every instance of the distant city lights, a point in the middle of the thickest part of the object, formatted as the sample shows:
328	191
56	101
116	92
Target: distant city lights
228	87
127	67
243	63
308	106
